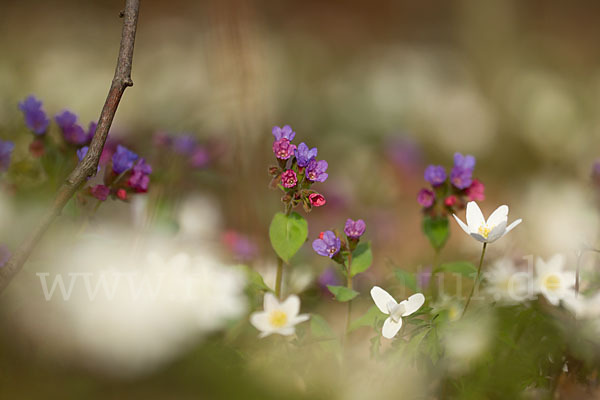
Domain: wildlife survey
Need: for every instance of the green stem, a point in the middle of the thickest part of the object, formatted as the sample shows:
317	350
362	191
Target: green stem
279	276
433	279
349	286
476	278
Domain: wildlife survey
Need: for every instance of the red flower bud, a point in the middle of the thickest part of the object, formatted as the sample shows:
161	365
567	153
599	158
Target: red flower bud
317	199
122	194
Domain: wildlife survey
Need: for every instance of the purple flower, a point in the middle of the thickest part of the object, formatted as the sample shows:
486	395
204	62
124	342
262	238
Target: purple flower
283	149
242	247
123	159
100	192
424	277
462	172
354	229
283	133
435	174
304	155
327	245
315	171
72	132
35	117
426	198
4	255
329	277
140	178
6	148
184	144
200	157
405	153
91	130
596	171
82	152
289	179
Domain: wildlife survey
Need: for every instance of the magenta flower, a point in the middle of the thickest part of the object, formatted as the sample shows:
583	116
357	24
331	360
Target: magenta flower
140	178
6	149
476	192
289	179
317	199
354	229
426	198
283	133
435	174
242	247
72	132
100	192
315	171
304	155
123	159
450	200
283	149
200	157
461	175
35	117
328	245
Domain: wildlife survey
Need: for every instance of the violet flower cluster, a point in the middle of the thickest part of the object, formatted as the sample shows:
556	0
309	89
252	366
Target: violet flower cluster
331	244
297	170
38	122
128	174
450	193
185	145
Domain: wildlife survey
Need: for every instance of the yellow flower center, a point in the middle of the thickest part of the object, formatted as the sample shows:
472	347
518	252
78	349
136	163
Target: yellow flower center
484	231
552	282
278	318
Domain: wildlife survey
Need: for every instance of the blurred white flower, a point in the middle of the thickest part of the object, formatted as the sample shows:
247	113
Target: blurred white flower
199	216
583	307
448	304
505	283
466	340
486	231
111	304
551	281
387	305
279	318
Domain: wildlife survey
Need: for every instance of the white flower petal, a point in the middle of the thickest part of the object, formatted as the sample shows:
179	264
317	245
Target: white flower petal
512	226
497	232
474	217
568	279
478	237
287	331
260	320
300	318
391	328
270	302
413	303
382	299
291	306
499	215
462	224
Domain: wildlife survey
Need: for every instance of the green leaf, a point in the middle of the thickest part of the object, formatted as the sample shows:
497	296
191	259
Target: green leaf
362	258
437	231
408	279
255	280
287	233
320	329
464	268
369	319
342	293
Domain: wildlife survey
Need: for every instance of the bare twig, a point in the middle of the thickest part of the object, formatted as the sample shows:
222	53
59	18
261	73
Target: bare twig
87	167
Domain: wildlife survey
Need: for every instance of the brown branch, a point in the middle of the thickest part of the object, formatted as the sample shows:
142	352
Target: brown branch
88	166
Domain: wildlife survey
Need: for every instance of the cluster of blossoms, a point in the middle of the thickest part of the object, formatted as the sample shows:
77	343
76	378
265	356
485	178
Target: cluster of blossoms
185	145
329	244
298	169
127	173
450	193
38	123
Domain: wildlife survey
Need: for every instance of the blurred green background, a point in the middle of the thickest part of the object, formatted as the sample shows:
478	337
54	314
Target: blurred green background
515	83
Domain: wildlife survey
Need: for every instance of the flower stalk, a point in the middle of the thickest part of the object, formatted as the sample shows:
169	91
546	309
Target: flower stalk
476	278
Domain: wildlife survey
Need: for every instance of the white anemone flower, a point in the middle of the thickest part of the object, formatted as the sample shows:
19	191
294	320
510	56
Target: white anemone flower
551	281
280	318
387	305
486	231
583	307
505	284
